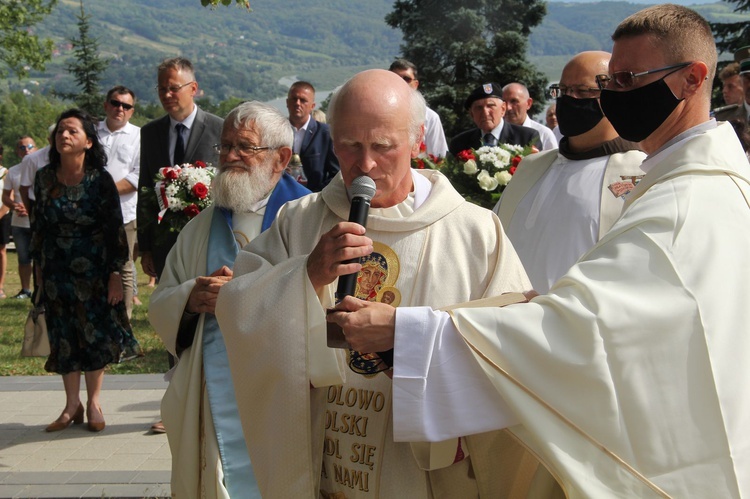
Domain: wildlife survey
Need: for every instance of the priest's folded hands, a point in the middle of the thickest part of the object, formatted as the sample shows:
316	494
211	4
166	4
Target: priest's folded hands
368	326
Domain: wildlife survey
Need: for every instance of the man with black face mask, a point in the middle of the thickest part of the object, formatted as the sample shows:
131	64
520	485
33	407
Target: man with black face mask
629	378
562	201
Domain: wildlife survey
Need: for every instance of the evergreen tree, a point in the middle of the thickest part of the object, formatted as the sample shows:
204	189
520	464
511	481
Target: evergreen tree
87	68
19	47
732	36
458	46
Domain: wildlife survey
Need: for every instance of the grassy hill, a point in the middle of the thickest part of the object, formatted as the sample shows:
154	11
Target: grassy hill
243	55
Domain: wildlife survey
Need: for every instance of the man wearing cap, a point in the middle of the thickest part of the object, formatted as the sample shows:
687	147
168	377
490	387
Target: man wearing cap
487	108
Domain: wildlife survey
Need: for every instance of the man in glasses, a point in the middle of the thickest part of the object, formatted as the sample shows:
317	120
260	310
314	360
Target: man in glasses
626	377
434	136
199	407
122	143
20	225
423	243
561	202
184	135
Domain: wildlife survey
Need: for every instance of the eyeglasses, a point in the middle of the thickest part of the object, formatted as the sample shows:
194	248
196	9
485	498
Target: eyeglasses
626	79
116	103
242	150
27	147
579	92
173	89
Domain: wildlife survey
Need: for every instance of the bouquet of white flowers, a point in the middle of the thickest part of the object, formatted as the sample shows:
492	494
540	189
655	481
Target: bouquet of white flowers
480	175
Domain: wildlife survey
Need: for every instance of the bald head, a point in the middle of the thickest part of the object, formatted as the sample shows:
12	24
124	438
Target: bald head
377	123
377	89
579	114
518	101
585	66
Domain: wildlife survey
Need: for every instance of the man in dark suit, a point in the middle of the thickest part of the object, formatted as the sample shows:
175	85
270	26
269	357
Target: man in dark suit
312	140
487	108
185	135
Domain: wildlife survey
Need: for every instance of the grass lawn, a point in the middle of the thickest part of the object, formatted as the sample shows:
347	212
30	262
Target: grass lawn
13	317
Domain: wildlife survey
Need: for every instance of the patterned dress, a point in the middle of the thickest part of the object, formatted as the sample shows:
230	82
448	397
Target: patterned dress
78	240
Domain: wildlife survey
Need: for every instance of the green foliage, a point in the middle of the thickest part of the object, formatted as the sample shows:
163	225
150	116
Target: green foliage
87	68
733	35
19	46
460	45
24	115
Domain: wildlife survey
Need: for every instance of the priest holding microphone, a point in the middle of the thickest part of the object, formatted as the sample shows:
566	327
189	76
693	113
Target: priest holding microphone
312	426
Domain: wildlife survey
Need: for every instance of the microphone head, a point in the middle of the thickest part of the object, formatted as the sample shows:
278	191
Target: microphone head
362	187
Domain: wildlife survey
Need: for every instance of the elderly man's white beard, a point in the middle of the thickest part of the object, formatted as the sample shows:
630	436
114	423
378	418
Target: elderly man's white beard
240	190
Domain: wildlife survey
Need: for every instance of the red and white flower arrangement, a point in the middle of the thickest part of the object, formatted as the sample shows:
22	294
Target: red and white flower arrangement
480	175
184	190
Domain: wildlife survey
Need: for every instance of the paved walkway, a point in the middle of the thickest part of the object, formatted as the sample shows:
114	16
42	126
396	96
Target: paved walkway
125	460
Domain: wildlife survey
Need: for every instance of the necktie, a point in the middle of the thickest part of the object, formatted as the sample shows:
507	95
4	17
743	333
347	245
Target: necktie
489	140
179	145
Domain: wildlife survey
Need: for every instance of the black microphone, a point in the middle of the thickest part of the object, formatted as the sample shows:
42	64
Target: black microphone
361	192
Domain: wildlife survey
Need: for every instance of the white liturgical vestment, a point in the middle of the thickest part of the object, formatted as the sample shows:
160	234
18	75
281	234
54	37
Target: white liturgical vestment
334	439
629	378
196	464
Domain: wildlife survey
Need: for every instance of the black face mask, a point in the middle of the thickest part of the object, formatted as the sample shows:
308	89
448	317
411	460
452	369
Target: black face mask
637	113
577	116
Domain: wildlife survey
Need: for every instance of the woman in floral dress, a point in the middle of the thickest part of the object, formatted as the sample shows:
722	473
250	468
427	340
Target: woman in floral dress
79	247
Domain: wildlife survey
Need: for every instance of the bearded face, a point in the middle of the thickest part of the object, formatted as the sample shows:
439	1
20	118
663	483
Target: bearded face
238	187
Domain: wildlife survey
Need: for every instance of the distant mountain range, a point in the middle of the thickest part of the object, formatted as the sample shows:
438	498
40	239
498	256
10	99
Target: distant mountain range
246	55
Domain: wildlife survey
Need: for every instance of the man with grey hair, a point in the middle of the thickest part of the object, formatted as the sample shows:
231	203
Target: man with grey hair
332	434
516	97
198	408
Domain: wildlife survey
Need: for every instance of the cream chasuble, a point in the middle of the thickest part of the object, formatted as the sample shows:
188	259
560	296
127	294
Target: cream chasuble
629	377
336	440
196	465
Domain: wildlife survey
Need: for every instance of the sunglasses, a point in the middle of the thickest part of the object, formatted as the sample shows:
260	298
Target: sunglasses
117	103
28	147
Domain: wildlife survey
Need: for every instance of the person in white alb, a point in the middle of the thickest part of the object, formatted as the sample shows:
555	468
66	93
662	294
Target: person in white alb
333	436
628	377
518	100
561	202
122	143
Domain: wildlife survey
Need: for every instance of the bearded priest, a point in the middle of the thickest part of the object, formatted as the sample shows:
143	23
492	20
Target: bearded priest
209	457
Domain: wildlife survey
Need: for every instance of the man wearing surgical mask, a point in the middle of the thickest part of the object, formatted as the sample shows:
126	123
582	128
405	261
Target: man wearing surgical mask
562	201
626	379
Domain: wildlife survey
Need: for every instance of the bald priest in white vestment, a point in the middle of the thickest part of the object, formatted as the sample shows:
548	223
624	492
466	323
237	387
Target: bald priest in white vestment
209	457
629	379
561	202
314	432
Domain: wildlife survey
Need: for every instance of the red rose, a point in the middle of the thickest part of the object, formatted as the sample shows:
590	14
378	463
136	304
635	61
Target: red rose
422	147
200	190
420	164
465	155
199	164
512	170
516	160
191	210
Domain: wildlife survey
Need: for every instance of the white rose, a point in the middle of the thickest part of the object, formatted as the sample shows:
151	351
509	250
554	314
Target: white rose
470	167
486	181
503	156
503	177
